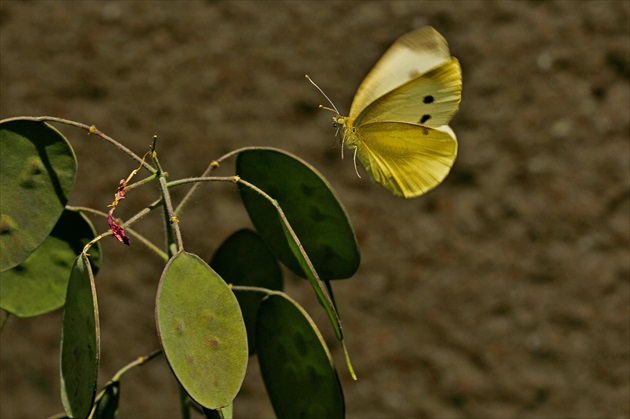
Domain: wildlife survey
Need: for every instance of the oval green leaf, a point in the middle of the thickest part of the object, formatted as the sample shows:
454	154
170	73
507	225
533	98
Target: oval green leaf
80	341
315	214
244	259
38	285
295	363
201	330
37	173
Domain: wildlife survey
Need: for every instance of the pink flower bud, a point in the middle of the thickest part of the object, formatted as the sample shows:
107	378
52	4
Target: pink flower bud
118	231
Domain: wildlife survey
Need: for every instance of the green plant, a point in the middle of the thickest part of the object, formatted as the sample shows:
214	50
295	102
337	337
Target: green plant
210	317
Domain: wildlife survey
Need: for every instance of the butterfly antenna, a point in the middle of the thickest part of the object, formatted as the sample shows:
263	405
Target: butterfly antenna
334	108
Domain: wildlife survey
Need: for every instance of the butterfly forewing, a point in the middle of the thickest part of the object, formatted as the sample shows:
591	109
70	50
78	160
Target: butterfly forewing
411	55
407	159
430	99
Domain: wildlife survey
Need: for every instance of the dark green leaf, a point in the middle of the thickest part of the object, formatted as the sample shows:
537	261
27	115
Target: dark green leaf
80	342
295	363
106	406
245	259
37	174
201	330
38	285
317	217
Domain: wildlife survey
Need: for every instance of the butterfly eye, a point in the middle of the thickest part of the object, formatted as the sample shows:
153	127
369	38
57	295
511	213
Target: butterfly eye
339	122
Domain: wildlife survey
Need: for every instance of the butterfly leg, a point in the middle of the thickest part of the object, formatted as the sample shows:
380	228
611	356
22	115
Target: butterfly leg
355	162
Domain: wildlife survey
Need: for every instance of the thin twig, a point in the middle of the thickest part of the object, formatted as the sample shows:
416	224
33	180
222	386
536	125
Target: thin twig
126	225
232	179
91	129
214	164
172	219
6	319
135	363
318	284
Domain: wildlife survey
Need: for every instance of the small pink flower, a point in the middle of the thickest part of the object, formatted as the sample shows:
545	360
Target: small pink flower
118	231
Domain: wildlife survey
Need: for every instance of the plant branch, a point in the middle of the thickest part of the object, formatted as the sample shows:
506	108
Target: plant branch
135	363
214	164
184	403
318	285
172	220
140	182
250	288
126	225
91	129
4	322
173	233
232	179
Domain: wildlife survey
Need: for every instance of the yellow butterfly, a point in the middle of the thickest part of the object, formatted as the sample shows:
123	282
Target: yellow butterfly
398	122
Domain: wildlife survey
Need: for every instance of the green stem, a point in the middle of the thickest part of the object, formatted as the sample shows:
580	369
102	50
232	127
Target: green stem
4	322
86	209
135	363
174	242
184	404
171	219
318	284
162	254
90	129
143	239
125	225
320	288
140	182
254	289
185	181
330	292
213	165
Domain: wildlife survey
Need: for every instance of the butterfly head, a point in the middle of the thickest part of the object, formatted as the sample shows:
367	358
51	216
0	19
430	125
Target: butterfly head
341	121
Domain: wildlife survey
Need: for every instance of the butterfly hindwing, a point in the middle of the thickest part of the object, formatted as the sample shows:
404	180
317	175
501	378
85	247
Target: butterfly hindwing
407	159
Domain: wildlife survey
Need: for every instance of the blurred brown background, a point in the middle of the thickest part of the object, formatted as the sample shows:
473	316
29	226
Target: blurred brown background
504	293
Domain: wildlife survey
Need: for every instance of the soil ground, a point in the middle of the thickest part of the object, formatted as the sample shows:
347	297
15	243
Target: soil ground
503	293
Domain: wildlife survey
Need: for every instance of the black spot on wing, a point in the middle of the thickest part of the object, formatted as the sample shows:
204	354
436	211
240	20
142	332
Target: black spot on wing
424	118
428	99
